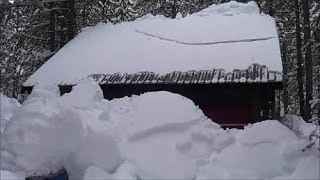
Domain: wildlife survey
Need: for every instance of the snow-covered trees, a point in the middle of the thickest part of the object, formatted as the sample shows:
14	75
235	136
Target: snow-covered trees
31	31
22	44
300	52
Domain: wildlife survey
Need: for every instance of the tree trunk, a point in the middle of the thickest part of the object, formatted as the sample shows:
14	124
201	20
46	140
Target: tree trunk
308	57
299	58
174	9
270	8
84	14
71	20
319	97
51	28
285	77
63	24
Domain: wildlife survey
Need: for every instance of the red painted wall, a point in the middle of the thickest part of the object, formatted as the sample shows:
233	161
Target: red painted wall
236	115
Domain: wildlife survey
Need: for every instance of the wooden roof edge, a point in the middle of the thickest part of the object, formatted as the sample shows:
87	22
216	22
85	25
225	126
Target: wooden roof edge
276	85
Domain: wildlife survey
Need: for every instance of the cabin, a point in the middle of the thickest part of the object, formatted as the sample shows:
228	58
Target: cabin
226	59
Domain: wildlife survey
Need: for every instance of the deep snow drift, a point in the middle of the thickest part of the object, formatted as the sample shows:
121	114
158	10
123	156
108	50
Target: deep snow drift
157	135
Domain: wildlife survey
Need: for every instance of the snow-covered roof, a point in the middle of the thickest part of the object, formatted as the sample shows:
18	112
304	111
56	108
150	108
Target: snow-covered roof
227	36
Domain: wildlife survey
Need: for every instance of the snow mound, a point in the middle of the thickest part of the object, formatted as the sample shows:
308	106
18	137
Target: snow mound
303	129
85	93
307	168
249	135
95	173
125	171
37	134
153	113
157	135
299	126
265	150
7	107
8	175
50	132
96	149
155	123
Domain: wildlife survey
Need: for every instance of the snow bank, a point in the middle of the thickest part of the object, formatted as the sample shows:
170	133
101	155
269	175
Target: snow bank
299	126
96	149
157	135
95	173
155	123
134	122
248	136
125	171
41	133
255	154
84	94
8	175
162	45
151	113
302	129
97	141
7	107
50	132
307	168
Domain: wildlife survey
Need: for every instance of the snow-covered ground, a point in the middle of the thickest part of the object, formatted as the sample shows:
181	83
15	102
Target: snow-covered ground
157	135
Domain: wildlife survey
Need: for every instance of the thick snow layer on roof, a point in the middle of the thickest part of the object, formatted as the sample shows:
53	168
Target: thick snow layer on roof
202	41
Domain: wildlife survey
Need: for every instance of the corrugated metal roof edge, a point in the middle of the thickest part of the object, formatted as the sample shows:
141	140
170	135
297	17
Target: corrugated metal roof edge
254	74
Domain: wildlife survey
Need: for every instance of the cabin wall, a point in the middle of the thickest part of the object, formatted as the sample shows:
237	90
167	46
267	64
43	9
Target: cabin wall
227	104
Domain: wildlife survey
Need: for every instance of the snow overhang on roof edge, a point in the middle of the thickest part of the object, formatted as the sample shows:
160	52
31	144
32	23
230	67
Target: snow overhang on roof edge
255	73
